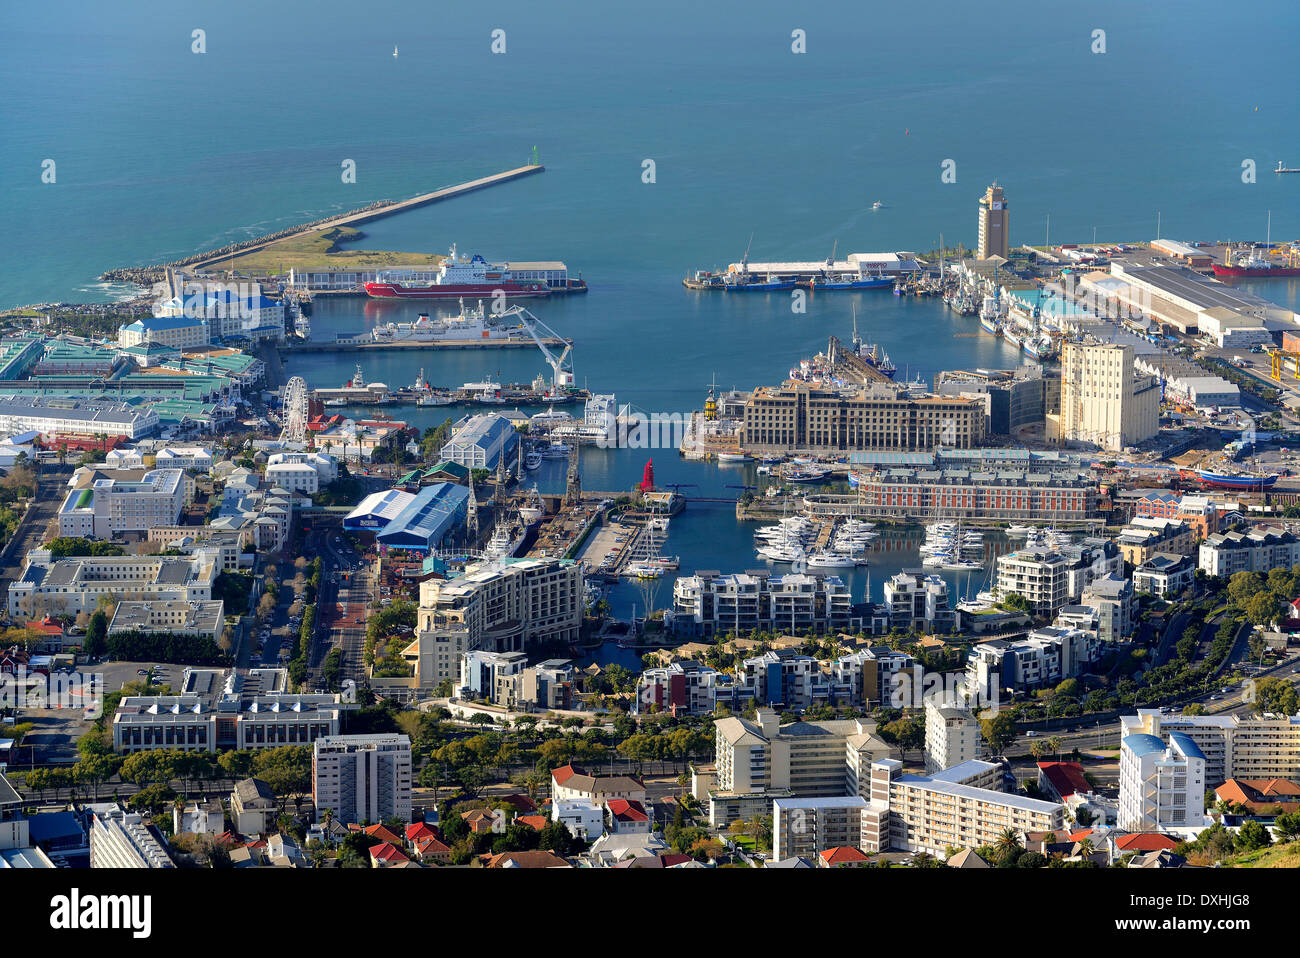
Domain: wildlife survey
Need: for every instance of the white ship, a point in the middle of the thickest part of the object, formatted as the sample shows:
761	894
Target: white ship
469	326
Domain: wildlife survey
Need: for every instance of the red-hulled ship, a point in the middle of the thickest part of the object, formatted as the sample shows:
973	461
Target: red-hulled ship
1256	265
457	276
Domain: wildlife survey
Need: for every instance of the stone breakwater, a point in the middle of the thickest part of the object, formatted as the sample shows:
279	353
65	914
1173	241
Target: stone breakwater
148	275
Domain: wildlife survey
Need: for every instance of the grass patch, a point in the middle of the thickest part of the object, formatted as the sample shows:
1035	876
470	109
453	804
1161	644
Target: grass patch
321	249
1279	856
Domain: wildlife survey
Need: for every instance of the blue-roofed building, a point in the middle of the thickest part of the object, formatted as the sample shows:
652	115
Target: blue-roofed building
479	441
1161	787
178	332
242	311
377	510
432	515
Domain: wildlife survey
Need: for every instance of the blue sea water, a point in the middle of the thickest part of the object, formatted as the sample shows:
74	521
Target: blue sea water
160	152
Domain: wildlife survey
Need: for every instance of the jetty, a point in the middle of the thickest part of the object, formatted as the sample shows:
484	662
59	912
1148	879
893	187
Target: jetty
346	344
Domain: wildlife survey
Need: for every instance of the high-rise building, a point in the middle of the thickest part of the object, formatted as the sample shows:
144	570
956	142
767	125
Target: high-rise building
994	222
952	734
1104	401
1161	786
120	839
363	778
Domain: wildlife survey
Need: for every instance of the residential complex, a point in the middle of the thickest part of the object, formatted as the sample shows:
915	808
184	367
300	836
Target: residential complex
709	603
1161	786
1260	549
112	506
122	839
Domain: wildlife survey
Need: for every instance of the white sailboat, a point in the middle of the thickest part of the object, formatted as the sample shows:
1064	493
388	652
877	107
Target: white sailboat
394	49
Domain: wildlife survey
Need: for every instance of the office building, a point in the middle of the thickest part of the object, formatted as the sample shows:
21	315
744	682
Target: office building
216	710
994	224
362	778
54	418
169	617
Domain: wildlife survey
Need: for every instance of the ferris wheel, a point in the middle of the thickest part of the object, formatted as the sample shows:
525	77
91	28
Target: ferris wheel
295	411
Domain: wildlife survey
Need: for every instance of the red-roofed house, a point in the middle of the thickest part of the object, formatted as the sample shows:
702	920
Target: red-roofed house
431	848
627	816
841	856
1144	842
417	830
480	820
1261	794
533	859
386	854
521	803
536	822
1060	780
383	834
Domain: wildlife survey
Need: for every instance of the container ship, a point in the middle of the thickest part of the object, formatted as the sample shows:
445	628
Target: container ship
470	325
456	277
1254	266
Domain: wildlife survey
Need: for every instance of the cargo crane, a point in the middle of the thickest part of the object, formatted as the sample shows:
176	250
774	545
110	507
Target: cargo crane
561	376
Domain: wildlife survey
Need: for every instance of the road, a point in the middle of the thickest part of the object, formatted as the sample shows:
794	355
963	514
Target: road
50	492
347	590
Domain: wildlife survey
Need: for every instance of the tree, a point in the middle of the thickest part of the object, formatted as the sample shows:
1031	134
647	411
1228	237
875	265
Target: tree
1288	825
96	633
1253	835
999	730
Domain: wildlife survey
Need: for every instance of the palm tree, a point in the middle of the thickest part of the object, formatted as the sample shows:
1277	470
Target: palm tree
1036	749
1054	746
1007	844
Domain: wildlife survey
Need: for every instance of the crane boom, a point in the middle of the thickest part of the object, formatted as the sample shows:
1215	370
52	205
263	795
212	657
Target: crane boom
561	378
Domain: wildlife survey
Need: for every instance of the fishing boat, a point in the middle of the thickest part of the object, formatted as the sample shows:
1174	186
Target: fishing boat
849	281
732	457
745	283
805	474
1237	480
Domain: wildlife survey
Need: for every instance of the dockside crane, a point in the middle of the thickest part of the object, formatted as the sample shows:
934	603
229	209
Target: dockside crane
561	376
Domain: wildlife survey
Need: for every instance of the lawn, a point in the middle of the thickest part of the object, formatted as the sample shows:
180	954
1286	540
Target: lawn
320	249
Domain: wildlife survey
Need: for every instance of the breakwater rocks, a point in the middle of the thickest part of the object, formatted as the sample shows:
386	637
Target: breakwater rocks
148	275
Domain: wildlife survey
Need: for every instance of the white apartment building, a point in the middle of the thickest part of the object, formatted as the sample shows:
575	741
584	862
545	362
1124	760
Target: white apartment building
120	839
1259	550
1104	401
918	600
362	778
71	586
1161	786
808	826
959	807
1252	747
1045	657
1111	598
708	604
113	506
1052	578
497	607
952	735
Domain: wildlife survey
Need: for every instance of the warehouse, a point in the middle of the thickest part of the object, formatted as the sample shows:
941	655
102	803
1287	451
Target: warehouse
377	510
432	515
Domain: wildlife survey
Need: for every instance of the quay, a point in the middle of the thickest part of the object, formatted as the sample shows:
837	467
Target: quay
365	343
